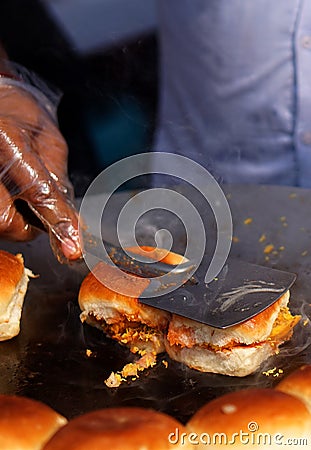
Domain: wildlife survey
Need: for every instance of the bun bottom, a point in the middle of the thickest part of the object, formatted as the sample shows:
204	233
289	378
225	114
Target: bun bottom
11	327
240	361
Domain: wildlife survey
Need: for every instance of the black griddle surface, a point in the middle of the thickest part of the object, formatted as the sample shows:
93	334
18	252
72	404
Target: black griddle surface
48	360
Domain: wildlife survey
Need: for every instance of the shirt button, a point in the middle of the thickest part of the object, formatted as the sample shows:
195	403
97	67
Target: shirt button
306	138
306	41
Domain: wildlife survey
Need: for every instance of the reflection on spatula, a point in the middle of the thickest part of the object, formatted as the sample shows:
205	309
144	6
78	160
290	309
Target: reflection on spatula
127	260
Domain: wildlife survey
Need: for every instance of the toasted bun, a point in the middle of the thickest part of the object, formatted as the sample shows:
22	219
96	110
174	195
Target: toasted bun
236	351
95	298
298	383
98	300
253	330
126	428
26	424
123	318
260	414
14	279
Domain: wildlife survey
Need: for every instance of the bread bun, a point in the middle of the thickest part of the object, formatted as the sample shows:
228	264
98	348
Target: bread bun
298	383
253	418
26	424
104	303
126	428
14	279
256	329
236	351
123	318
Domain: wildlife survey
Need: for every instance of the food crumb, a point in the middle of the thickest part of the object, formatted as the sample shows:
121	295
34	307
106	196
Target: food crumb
88	352
165	363
274	372
281	248
283	219
269	372
304	253
262	238
235	239
292	195
248	221
268	249
114	380
305	322
131	370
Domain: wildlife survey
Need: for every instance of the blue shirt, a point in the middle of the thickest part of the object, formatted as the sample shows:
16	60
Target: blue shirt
236	87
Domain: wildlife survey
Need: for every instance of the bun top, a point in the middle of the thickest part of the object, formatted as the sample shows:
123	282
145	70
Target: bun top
105	278
298	383
255	412
124	428
256	329
94	284
26	424
11	272
109	293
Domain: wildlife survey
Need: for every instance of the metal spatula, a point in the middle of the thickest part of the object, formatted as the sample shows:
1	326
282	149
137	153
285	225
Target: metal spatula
240	291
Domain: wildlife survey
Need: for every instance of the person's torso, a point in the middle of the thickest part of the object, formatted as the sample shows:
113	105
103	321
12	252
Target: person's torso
235	93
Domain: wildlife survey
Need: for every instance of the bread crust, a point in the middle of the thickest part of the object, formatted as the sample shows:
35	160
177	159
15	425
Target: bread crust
124	428
26	424
11	272
254	411
14	278
95	298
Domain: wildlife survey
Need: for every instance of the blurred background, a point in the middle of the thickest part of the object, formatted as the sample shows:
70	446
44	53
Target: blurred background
102	55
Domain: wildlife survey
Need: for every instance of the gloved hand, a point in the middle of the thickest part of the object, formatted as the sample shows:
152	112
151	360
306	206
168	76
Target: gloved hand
33	168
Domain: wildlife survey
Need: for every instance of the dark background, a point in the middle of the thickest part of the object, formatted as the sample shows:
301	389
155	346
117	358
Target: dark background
109	102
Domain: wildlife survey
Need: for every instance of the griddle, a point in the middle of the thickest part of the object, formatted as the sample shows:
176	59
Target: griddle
48	360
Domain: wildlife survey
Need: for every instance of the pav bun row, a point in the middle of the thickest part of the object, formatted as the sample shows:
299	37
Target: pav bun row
249	418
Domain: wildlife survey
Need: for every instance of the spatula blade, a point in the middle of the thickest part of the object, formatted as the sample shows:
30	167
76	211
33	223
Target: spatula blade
241	291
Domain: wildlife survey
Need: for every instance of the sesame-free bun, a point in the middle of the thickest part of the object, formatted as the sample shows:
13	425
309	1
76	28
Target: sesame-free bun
97	299
124	428
298	383
268	419
122	317
256	329
109	300
120	299
26	424
14	279
235	351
